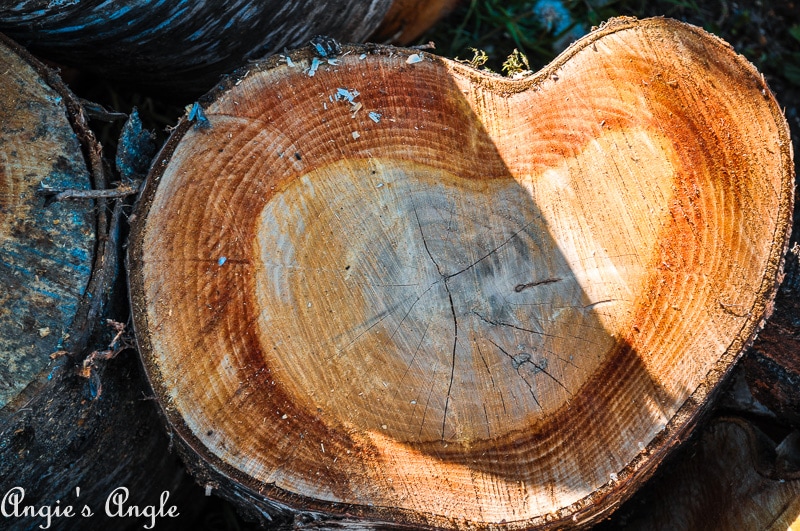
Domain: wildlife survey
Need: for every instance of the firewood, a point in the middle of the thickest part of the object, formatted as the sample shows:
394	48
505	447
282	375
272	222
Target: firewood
186	47
408	19
70	432
735	477
387	287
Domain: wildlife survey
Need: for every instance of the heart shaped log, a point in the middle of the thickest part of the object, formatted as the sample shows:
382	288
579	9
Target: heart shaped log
403	290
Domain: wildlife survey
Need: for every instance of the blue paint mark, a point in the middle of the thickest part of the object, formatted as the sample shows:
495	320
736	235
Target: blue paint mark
196	35
221	261
344	94
120	13
23	254
314	65
92	387
135	148
166	24
79	254
53	372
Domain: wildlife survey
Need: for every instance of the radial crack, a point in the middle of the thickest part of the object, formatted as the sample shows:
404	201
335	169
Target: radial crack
453	360
530	387
490	253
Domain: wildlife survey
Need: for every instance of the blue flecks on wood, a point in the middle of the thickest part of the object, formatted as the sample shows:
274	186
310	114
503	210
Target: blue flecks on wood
45	251
199	118
345	94
326	46
315	62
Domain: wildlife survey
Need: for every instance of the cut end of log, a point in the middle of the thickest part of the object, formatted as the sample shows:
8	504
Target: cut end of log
394	287
46	251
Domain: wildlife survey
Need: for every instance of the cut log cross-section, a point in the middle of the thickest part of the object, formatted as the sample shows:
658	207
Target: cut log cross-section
45	253
402	290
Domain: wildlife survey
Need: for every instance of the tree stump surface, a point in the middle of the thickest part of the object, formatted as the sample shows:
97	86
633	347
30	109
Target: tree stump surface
402	290
186	47
46	252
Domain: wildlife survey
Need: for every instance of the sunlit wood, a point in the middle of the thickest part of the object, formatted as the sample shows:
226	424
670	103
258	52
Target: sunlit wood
401	289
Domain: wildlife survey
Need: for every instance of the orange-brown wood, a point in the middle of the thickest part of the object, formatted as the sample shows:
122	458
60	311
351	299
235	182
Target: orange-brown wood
409	291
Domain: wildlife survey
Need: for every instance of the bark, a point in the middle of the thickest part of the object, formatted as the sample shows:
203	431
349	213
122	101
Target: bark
175	45
772	366
389	288
70	432
733	477
408	19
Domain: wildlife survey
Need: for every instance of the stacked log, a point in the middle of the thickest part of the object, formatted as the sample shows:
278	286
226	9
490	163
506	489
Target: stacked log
71	432
185	47
385	288
734	477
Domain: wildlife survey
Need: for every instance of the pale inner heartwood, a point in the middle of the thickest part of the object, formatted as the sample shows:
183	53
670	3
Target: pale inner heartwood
425	306
486	303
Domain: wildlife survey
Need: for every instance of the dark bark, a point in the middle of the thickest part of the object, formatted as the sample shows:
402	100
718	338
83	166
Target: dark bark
178	45
772	366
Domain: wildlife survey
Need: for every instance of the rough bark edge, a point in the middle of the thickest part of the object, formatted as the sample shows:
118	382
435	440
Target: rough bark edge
584	512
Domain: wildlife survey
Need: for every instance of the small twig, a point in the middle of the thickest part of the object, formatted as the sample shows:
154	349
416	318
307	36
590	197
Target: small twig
119	343
98	112
123	190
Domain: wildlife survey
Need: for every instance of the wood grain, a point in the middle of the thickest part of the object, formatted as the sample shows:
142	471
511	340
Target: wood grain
409	291
46	252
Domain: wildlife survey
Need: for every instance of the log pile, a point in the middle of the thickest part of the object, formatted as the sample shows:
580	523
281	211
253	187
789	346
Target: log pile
69	431
186	47
375	288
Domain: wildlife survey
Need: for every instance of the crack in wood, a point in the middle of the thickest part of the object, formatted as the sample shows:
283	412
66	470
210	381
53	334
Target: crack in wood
455	322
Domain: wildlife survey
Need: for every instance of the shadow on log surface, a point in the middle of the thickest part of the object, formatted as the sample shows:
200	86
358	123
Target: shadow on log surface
399	290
